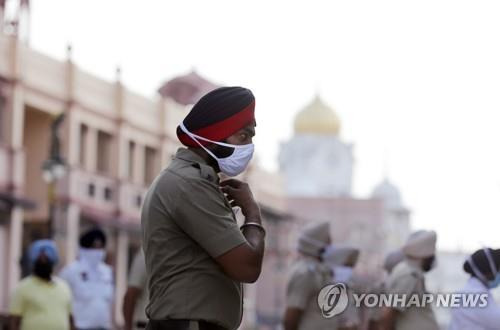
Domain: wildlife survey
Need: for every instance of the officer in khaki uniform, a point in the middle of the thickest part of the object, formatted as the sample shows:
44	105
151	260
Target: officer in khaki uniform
197	257
342	259
408	277
308	276
136	296
374	314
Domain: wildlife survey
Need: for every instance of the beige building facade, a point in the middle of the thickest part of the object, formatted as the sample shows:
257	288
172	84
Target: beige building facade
113	141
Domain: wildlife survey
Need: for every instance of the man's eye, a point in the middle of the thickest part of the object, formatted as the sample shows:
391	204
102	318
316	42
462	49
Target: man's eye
244	136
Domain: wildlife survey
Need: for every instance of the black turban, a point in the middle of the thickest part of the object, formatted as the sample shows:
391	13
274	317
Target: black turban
481	261
88	239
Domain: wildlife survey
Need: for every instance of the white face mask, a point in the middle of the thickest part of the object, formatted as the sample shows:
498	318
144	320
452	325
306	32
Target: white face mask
342	274
93	257
232	165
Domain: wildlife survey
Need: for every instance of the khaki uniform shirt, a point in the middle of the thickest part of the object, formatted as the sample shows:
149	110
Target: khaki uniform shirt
138	279
307	278
409	279
351	316
375	313
186	223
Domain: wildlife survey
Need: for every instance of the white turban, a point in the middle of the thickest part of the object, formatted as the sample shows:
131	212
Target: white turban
314	238
339	255
421	244
392	259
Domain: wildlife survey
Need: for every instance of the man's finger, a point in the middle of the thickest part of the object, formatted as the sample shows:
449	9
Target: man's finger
226	189
231	183
229	191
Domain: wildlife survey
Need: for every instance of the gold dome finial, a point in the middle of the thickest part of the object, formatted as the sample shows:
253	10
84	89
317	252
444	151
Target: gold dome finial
317	118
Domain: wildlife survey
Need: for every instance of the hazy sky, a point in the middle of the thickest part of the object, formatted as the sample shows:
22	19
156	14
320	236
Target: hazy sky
416	83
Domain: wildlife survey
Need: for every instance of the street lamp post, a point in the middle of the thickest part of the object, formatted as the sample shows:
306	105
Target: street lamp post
53	169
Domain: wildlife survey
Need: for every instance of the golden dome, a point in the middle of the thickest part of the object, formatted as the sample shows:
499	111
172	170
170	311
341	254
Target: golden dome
317	118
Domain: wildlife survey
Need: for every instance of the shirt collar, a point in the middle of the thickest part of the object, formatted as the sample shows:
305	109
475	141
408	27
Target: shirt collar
207	171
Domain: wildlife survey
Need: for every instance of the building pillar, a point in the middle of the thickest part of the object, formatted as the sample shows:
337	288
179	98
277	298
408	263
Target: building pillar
121	169
121	273
165	148
120	156
139	162
2	21
16	120
15	115
12	231
15	239
71	140
72	232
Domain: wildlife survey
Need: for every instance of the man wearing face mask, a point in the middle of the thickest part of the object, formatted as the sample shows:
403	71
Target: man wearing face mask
197	257
342	259
91	282
307	277
41	301
408	278
483	266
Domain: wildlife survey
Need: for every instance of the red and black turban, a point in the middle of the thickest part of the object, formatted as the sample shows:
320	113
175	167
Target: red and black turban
218	115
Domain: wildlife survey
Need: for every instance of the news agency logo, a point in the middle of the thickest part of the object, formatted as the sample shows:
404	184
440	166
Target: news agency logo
422	300
333	300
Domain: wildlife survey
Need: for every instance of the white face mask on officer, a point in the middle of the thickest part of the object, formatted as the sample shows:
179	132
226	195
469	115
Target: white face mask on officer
342	274
233	165
93	257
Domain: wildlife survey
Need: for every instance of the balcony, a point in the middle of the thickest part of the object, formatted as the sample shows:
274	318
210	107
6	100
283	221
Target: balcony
95	192
102	196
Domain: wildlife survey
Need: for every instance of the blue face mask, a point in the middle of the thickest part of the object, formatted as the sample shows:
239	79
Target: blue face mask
495	283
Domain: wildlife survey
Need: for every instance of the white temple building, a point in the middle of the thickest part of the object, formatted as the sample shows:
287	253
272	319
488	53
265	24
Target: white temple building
316	162
318	166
